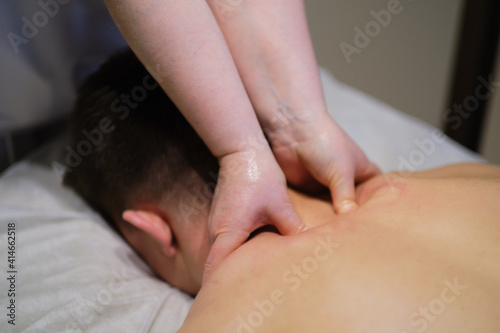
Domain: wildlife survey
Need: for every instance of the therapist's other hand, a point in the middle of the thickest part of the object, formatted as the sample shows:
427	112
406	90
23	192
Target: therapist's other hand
319	151
250	193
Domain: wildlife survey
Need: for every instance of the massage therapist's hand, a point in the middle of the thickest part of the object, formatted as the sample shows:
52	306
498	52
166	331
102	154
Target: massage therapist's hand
317	149
271	46
250	193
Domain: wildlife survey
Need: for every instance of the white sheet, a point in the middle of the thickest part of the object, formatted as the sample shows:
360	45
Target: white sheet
74	274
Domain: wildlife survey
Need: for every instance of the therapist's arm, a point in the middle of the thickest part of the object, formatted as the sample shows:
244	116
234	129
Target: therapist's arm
271	46
182	46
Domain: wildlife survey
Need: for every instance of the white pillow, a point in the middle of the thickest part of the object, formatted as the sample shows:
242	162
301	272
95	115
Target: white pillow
75	274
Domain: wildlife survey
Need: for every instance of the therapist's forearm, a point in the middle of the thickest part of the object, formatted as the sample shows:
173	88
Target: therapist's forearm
271	46
182	46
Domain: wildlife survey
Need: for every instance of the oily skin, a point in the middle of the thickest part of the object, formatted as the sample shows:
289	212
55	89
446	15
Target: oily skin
237	74
386	266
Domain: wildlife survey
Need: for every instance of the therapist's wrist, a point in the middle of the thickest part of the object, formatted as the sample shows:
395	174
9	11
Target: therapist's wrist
287	125
254	143
247	163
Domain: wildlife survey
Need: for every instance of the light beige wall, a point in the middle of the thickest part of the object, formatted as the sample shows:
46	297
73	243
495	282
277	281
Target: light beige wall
406	65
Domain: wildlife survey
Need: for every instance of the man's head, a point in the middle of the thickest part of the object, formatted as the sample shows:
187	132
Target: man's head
148	173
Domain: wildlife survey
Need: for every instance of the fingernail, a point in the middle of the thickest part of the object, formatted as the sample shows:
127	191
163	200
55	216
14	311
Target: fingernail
347	206
302	228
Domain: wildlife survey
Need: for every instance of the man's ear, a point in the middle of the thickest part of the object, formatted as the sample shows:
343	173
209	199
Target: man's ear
155	225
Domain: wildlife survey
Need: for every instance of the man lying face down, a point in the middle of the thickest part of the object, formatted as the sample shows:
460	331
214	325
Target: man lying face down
420	254
149	170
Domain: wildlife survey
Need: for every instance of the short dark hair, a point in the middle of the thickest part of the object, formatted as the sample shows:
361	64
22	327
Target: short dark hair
143	148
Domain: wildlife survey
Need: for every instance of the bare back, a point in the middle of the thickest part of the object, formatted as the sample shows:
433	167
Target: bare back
422	253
